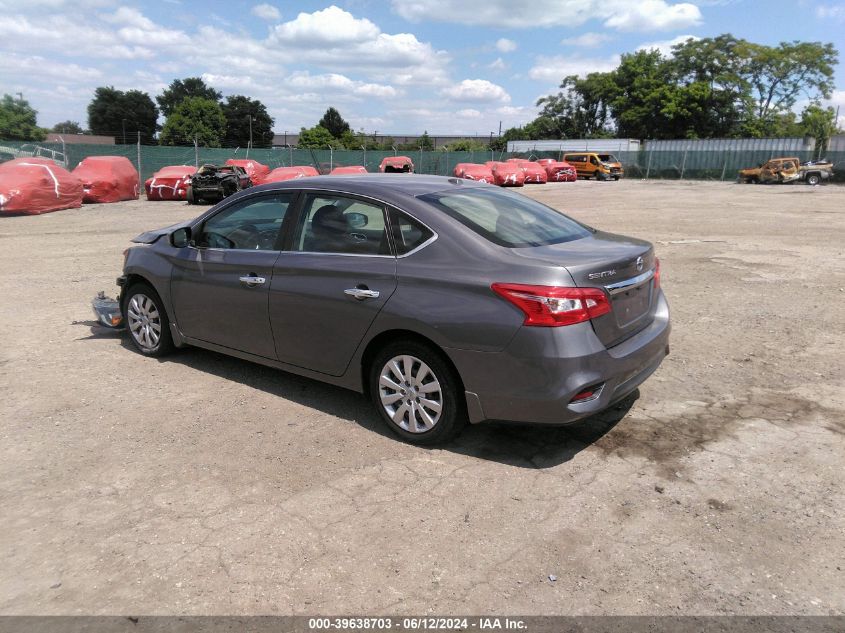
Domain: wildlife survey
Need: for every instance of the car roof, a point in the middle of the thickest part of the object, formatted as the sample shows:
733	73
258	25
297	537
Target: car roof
375	185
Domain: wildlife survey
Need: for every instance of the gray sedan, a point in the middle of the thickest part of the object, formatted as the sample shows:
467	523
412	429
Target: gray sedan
443	300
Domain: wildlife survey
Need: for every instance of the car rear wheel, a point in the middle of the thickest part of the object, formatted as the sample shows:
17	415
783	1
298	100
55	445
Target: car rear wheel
417	393
813	179
146	321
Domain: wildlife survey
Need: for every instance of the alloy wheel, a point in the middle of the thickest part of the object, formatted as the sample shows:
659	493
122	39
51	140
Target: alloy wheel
410	394
144	321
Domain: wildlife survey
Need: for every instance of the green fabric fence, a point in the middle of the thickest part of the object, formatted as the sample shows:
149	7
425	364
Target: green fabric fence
670	165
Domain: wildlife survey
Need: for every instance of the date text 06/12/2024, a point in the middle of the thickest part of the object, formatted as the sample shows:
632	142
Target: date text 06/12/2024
416	624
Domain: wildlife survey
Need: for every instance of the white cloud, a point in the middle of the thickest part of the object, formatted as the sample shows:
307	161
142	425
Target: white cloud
51	33
339	83
266	12
665	46
625	15
831	12
331	26
504	45
22	66
554	69
587	40
654	15
236	82
476	90
498	64
378	91
127	15
468	113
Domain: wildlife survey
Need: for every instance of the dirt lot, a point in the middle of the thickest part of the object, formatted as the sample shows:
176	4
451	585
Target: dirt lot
208	485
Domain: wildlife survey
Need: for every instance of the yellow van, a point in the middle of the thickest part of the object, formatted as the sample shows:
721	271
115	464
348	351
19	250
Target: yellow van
590	164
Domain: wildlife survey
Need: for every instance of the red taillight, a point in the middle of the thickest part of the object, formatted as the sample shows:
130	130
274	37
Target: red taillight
552	306
656	273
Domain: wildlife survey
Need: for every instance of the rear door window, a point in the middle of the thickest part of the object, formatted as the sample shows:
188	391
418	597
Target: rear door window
341	225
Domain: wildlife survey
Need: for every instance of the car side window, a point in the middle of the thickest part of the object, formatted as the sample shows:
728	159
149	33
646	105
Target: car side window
408	234
252	224
341	225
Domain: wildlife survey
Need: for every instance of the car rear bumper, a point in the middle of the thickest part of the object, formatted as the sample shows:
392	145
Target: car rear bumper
540	372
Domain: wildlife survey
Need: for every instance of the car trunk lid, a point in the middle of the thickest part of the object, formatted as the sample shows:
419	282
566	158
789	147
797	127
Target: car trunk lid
622	266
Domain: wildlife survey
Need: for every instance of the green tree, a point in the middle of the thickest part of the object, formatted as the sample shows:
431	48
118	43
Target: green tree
68	127
423	141
580	110
334	123
181	89
818	122
195	119
238	111
18	121
316	137
500	144
779	75
711	87
123	114
386	144
466	145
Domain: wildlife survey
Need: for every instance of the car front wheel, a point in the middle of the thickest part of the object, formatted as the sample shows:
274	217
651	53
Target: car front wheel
417	393
813	179
147	321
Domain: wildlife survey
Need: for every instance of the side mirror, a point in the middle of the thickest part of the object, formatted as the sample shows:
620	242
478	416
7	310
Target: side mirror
357	220
180	238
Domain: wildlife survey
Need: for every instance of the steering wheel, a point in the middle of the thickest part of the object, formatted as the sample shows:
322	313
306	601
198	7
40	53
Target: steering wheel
245	236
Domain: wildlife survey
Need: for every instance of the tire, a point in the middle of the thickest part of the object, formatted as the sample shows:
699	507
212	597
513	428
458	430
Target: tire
189	196
440	383
813	179
144	310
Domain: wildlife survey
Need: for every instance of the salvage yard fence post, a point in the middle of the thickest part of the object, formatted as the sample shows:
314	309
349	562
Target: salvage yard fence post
139	154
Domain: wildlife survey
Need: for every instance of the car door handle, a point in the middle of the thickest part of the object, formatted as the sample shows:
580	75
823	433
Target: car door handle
252	280
361	293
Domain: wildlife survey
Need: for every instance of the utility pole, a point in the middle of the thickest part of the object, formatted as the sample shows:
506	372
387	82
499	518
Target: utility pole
250	136
139	156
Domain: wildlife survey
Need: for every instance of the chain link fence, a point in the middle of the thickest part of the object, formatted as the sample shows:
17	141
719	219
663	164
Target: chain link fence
668	165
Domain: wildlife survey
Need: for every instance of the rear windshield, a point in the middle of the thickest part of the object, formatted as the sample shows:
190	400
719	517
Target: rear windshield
507	219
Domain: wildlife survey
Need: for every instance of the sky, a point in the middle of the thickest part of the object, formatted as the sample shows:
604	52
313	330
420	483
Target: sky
390	66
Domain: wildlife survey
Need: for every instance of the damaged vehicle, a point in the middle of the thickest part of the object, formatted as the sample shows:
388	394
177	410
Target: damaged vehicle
212	183
784	170
443	300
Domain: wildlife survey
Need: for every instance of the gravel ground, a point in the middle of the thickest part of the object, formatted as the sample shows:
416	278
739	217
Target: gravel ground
203	484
